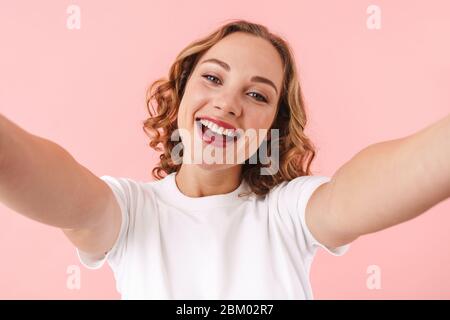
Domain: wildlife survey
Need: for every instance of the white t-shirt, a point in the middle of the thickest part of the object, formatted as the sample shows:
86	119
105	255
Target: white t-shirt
172	246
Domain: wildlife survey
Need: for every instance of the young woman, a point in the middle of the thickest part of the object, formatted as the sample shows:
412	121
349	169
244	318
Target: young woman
235	229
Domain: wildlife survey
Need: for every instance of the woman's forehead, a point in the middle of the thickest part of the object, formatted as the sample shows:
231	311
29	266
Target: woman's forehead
247	52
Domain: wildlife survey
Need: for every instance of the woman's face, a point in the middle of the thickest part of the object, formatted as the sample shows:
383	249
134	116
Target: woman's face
237	81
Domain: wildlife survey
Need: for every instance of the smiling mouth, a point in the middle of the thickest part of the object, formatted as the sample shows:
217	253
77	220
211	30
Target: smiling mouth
212	135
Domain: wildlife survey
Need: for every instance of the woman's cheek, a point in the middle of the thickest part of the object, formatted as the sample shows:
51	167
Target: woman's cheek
191	102
203	92
257	118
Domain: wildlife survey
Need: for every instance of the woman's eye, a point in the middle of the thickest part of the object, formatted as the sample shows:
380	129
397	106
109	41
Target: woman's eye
259	97
208	76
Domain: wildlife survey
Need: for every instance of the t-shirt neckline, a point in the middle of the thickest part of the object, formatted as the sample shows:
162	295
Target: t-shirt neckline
193	203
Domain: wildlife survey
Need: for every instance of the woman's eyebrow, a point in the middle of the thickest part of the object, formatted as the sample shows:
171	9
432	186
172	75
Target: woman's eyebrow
254	78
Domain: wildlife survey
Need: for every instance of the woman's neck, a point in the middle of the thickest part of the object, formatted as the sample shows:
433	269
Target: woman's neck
194	181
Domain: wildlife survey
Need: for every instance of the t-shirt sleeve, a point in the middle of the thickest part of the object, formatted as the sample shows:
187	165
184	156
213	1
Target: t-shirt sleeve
123	191
295	195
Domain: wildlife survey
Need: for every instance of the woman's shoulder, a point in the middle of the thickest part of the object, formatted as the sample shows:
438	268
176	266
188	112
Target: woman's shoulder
133	186
296	186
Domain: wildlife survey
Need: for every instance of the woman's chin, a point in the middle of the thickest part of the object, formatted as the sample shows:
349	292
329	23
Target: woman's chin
214	166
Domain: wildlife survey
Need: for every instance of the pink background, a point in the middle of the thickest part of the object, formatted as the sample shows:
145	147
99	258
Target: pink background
85	89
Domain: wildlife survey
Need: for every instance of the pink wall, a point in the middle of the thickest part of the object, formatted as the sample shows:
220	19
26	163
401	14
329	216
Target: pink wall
85	89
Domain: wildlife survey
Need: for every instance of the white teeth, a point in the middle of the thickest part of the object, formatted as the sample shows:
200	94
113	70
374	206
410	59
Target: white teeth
217	129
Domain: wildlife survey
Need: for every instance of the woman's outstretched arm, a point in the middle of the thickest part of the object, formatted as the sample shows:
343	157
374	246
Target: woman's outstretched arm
42	181
384	184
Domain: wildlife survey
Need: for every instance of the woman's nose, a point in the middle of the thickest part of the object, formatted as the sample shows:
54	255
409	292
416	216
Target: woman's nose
228	106
226	110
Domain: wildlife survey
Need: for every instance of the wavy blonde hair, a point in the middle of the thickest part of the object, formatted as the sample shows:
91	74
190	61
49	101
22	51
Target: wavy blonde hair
296	151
